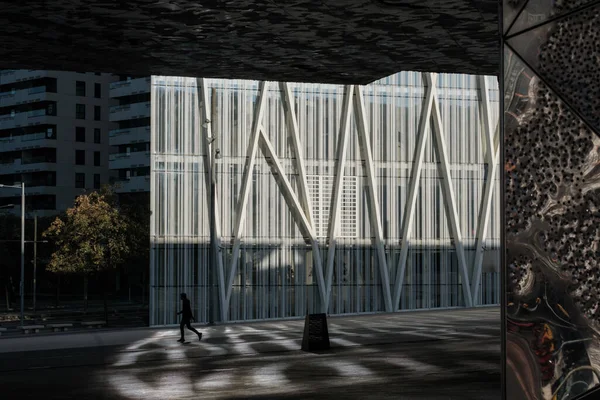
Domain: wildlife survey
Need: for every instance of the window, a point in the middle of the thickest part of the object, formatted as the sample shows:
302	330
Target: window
97	73
80	134
97	90
80	180
51	109
97	113
80	111
320	190
80	157
96	158
97	136
96	181
80	88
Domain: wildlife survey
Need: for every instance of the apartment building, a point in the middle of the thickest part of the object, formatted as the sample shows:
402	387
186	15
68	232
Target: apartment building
53	136
130	139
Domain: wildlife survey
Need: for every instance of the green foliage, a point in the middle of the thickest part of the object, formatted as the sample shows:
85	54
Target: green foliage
136	209
91	237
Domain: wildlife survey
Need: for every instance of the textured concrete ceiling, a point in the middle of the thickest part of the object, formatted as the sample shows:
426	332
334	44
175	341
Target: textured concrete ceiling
337	41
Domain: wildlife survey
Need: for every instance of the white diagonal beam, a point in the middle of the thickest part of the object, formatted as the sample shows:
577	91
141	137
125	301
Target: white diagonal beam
285	186
336	196
411	199
492	152
204	116
293	204
209	145
245	189
292	126
374	214
448	191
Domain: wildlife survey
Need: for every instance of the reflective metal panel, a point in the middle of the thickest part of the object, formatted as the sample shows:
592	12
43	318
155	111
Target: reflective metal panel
552	210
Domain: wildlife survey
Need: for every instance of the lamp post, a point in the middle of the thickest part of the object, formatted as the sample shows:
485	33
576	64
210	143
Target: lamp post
215	153
22	282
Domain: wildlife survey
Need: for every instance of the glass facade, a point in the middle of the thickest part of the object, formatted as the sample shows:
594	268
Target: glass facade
296	205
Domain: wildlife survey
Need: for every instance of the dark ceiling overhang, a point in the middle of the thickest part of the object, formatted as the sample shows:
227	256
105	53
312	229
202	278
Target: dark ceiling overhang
337	41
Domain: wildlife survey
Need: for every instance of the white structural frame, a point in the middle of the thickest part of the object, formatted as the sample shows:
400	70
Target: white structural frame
300	210
294	204
209	165
447	189
432	112
292	126
240	212
297	197
492	154
411	201
374	214
336	195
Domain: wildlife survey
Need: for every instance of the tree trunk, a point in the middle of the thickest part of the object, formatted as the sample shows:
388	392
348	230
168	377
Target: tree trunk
105	290
7	298
143	288
57	291
85	294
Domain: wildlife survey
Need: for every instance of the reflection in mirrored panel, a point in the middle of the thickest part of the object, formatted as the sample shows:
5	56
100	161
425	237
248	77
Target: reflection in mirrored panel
552	211
511	10
537	12
564	54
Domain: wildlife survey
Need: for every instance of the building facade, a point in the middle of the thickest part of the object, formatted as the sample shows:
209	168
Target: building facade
130	140
326	198
53	136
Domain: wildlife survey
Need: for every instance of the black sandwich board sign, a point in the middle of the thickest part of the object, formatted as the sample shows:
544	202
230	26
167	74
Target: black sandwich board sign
316	335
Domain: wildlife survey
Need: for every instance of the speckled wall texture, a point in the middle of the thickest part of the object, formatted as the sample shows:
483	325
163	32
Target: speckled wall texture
552	203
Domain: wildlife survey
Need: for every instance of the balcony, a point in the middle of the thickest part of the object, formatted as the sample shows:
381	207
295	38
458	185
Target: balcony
19	75
24	96
129	88
40	213
129	136
26	142
134	159
130	111
28	118
32	164
31	190
133	184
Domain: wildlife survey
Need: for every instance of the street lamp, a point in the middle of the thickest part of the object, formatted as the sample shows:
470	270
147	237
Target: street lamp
22	283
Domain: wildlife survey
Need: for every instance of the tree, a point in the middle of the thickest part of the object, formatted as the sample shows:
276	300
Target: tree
136	208
91	239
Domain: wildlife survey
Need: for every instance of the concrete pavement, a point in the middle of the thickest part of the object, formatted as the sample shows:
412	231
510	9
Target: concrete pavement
435	354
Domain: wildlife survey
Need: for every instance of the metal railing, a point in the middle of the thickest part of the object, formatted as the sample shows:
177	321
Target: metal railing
127	107
126	131
33	90
36	160
36	113
24	138
117	156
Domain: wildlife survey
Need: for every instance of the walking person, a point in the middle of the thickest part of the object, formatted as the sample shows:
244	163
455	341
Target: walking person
186	317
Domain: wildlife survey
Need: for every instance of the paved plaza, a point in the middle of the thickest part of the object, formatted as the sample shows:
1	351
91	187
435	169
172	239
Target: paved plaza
448	354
